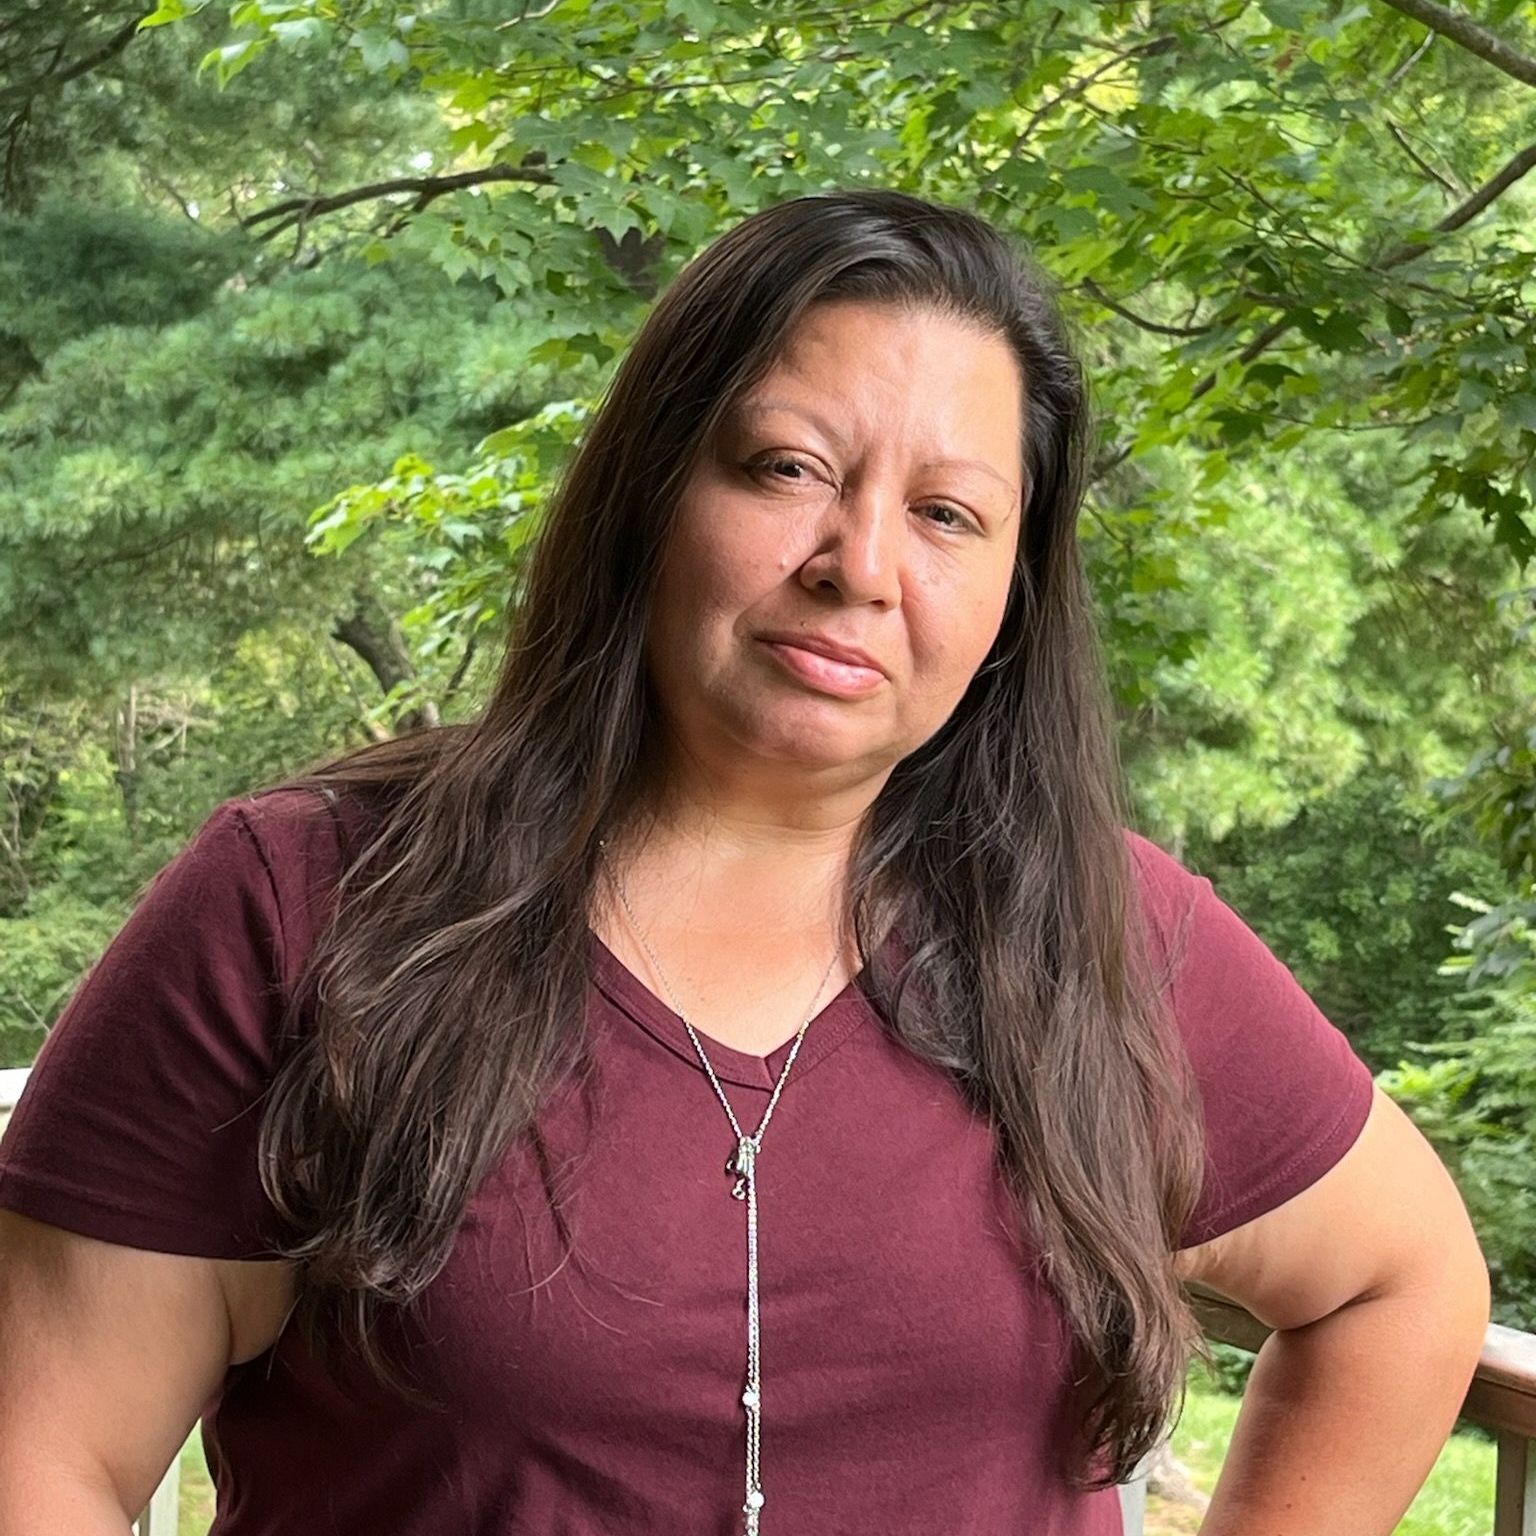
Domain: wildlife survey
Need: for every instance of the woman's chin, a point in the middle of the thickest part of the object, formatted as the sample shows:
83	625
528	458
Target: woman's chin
816	737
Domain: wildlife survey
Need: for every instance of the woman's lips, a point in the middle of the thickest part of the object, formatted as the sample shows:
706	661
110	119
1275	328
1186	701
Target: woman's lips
840	678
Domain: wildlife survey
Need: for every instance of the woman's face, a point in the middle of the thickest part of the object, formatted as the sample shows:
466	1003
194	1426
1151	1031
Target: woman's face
866	495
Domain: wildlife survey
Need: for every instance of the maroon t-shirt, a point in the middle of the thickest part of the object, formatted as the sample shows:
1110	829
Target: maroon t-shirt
914	1370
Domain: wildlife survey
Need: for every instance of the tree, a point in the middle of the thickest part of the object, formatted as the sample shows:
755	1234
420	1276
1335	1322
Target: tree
371	267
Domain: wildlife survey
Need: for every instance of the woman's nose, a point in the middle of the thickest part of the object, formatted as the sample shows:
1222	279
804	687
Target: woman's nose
862	546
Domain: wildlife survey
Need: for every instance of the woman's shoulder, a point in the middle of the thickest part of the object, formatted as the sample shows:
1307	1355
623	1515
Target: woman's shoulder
1283	1093
1168	891
295	816
136	1125
305	826
1154	864
280	851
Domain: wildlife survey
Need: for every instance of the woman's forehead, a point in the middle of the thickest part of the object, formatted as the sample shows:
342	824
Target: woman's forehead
833	348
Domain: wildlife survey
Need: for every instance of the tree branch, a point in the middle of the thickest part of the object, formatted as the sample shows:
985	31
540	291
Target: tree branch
299	209
377	639
1418	159
53	77
1466	33
1413	58
1140	320
1153	46
463	667
1520	165
1071	92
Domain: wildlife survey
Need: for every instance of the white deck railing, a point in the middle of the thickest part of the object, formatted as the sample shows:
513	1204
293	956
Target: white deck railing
1501	1398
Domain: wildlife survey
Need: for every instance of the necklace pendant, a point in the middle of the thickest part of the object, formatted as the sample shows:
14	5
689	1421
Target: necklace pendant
740	1163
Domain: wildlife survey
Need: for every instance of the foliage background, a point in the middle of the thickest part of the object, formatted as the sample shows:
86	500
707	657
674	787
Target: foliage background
303	305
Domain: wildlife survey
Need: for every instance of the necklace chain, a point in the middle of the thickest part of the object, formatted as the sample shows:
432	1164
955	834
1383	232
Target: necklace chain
743	1163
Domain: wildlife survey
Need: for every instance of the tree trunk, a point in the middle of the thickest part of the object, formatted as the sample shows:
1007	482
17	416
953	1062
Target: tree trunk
377	639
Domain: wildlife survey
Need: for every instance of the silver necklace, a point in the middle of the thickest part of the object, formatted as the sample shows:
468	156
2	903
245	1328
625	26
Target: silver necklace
743	1164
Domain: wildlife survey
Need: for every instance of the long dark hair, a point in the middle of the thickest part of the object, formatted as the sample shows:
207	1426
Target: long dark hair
447	992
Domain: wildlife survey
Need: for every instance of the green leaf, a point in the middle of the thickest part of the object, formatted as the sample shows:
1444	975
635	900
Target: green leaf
168	11
1271	375
1516	535
1107	189
1333	331
379	49
1519	410
702	16
228	61
305	29
1288	15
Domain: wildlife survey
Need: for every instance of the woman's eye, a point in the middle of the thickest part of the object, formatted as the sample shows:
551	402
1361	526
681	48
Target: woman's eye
779	463
949	517
957	519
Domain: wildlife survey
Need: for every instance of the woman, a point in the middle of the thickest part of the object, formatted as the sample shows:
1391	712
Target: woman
397	1132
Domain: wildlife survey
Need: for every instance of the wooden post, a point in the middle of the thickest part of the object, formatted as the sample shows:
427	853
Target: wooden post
160	1518
1133	1504
1133	1495
1514	1492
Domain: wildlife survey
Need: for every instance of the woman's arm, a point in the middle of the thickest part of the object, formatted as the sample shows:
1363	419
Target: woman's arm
1376	1286
107	1356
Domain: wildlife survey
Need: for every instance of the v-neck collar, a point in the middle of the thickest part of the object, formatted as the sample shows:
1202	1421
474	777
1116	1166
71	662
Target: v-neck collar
828	1029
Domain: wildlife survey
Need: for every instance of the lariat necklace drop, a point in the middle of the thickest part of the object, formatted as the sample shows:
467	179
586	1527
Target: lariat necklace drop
742	1166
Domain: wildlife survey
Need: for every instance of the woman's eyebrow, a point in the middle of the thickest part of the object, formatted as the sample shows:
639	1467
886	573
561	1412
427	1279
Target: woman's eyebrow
976	464
749	408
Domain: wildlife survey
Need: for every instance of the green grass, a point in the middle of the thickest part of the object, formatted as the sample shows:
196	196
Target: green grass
1456	1500
195	1513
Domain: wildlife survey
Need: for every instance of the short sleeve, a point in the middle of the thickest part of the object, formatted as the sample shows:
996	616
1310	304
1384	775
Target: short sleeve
1284	1094
139	1121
